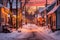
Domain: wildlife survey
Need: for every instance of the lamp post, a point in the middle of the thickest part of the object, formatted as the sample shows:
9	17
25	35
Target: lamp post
1	2
46	3
46	14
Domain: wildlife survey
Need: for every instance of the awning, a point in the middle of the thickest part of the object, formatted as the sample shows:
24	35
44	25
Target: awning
49	7
53	10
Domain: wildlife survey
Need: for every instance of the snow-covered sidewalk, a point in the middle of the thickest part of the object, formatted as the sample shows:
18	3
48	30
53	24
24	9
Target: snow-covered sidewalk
47	31
55	35
14	35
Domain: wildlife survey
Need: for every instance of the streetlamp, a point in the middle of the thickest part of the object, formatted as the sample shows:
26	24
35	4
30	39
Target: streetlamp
1	2
46	3
46	13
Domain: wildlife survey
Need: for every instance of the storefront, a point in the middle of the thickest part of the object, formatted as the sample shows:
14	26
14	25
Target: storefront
3	16
53	18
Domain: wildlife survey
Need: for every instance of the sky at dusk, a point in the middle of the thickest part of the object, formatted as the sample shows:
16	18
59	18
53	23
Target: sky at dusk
33	3
39	2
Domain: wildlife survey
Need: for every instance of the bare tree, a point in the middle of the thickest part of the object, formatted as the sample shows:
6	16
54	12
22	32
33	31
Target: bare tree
10	2
22	5
5	2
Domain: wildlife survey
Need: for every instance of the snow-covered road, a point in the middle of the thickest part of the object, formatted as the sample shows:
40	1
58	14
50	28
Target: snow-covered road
34	36
27	33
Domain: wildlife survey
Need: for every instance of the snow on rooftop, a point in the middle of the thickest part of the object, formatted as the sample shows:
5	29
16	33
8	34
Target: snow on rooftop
53	10
48	6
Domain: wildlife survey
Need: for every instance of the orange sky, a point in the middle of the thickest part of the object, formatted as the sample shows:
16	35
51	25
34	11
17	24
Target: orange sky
39	2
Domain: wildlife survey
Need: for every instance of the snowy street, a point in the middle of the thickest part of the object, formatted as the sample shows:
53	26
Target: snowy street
28	33
29	19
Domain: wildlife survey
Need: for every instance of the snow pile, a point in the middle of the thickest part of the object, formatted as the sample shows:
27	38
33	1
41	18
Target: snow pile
14	35
55	35
8	36
45	29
